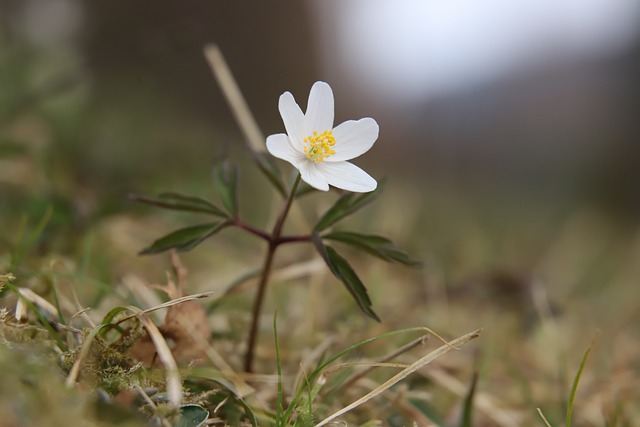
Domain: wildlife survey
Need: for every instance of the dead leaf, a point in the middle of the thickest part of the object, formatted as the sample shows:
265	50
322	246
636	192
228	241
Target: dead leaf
185	328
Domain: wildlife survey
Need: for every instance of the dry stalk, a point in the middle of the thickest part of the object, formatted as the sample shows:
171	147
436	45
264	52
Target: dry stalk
233	95
418	364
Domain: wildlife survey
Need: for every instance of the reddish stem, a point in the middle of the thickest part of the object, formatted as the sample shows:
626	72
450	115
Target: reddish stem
274	241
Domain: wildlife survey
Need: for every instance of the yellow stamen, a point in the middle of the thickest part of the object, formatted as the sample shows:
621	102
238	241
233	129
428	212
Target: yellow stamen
318	146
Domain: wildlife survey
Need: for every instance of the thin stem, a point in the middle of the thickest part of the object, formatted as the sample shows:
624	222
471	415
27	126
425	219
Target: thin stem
266	236
294	239
251	229
277	229
257	309
274	241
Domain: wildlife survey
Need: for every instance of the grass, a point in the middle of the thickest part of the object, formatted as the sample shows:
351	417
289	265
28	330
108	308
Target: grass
92	334
521	360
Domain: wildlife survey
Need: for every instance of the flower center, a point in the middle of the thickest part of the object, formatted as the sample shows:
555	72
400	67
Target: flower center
318	146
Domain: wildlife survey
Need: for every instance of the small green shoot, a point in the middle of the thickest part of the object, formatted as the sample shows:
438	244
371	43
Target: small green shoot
25	241
576	380
279	408
467	409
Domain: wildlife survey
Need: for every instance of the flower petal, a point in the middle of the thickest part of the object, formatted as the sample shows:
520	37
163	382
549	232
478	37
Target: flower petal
353	138
279	145
311	174
347	176
319	115
293	119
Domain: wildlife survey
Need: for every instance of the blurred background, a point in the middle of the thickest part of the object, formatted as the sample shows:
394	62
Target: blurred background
510	134
492	115
533	99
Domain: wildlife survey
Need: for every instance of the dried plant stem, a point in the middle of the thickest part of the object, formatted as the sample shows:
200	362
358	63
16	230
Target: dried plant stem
418	364
418	341
543	417
174	382
274	242
233	95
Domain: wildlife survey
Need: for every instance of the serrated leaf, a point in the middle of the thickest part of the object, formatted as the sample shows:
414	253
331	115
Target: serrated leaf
180	202
226	180
346	205
191	416
316	239
375	245
270	170
341	268
354	285
335	212
186	238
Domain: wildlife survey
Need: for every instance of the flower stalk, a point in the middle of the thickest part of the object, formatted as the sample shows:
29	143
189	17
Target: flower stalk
274	240
321	152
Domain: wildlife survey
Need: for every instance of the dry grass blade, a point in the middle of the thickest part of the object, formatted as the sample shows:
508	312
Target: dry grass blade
487	404
418	341
418	364
242	388
168	304
37	300
232	94
370	365
145	396
82	354
543	417
174	384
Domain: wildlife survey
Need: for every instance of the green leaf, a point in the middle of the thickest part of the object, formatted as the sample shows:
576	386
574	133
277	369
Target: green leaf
576	380
279	407
346	205
180	202
467	411
186	238
375	245
191	416
343	271
226	181
222	381
427	411
316	239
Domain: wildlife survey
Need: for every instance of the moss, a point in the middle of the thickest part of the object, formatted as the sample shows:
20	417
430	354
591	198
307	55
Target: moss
108	366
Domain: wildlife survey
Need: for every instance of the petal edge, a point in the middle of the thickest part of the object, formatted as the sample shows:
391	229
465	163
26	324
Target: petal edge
279	145
354	138
311	174
320	109
293	119
347	176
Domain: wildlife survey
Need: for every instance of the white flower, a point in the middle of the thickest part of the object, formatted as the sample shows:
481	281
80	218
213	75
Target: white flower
317	149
